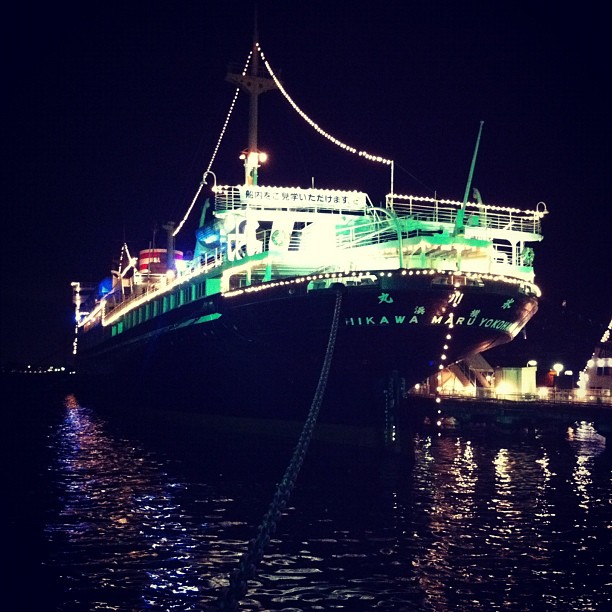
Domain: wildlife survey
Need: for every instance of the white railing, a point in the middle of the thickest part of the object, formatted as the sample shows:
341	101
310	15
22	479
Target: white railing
476	215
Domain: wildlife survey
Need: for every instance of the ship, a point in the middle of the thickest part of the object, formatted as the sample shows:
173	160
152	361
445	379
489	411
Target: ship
595	379
299	295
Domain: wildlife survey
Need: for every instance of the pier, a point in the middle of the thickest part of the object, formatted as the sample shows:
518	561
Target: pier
532	412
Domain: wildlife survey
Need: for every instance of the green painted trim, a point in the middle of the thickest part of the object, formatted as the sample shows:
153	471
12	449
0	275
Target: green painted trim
207	318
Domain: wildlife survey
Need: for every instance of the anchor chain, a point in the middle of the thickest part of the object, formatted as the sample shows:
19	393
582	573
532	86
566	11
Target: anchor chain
392	394
232	594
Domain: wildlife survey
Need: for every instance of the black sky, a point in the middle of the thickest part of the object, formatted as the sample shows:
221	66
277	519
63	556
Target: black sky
113	111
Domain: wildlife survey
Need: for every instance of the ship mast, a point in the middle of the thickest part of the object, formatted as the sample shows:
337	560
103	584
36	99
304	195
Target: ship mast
459	225
255	82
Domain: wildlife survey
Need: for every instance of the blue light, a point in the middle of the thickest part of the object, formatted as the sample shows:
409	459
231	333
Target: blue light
105	286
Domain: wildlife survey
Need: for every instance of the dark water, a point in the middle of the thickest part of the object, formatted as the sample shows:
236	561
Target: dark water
109	513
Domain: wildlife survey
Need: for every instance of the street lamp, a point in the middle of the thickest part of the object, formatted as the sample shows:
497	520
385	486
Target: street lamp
558	368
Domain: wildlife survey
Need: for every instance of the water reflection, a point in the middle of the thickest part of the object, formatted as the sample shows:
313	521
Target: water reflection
494	519
588	445
125	528
480	522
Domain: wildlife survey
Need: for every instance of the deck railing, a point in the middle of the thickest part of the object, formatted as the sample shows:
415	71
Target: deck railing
476	215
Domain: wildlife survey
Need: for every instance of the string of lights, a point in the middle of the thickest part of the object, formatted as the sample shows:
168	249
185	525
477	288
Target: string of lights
216	149
538	213
454	300
315	126
375	158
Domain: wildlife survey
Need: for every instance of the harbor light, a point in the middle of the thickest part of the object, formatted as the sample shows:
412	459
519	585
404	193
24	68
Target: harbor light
252	161
558	368
555	371
254	157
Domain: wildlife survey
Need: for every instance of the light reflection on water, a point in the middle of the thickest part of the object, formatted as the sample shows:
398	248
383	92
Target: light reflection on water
125	528
522	538
480	523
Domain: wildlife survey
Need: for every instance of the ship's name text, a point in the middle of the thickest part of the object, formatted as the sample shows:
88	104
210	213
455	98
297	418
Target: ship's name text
449	320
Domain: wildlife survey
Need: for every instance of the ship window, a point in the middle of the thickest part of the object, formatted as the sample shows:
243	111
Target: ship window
119	327
165	304
441	280
502	251
603	371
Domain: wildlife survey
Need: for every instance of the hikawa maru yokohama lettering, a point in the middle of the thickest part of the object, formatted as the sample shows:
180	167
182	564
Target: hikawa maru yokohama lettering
419	316
448	320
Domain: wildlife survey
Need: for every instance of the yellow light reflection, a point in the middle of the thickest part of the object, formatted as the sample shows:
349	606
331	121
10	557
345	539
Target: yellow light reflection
588	445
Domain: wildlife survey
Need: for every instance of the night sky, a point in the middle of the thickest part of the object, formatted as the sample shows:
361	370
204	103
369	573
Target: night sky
114	111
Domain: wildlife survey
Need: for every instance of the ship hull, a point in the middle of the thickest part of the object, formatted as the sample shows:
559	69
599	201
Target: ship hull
259	354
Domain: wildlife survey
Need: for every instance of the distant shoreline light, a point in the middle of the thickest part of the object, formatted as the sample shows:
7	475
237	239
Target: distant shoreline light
33	370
